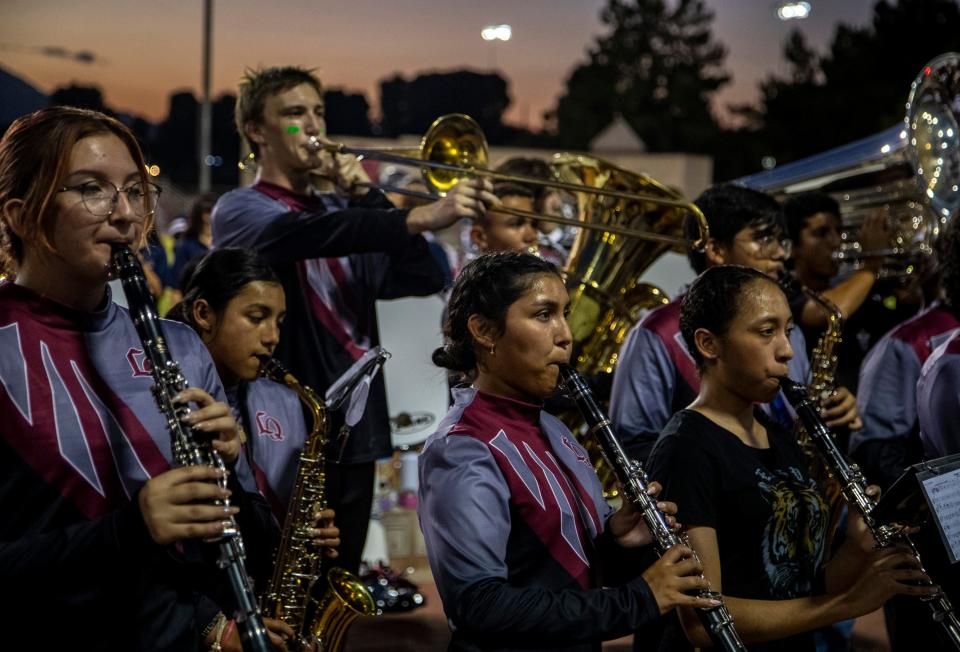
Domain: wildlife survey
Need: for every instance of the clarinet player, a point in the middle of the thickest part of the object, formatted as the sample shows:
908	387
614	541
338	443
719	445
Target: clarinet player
752	511
93	517
518	533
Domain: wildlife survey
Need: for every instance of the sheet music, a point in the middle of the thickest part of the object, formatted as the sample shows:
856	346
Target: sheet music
943	496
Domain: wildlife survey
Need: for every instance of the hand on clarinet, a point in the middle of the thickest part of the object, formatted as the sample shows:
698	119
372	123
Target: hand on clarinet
326	535
470	199
213	418
886	572
629	529
179	504
674	577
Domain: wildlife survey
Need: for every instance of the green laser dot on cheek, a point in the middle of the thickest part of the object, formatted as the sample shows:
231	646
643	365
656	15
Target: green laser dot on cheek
293	129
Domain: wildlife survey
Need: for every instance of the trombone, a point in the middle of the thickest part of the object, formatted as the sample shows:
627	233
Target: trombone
454	148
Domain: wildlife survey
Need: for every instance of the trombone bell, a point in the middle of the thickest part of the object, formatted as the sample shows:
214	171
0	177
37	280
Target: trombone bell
454	140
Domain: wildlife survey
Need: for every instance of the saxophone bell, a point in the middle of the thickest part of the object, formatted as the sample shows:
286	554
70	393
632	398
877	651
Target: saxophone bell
320	609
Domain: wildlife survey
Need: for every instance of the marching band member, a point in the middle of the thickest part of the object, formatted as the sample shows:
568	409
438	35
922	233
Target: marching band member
655	375
753	514
335	253
497	231
512	512
814	226
236	304
890	439
93	517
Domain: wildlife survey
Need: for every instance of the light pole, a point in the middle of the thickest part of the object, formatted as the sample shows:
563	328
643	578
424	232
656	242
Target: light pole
494	33
206	119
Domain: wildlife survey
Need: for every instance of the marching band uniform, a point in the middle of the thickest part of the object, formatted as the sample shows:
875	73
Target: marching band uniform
334	261
938	399
80	435
889	440
515	525
272	417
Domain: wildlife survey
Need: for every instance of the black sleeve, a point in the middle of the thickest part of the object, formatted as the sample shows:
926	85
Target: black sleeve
689	478
299	235
414	271
617	564
492	609
121	534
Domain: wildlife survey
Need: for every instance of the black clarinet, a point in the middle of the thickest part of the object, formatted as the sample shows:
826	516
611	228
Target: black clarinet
189	447
633	481
854	489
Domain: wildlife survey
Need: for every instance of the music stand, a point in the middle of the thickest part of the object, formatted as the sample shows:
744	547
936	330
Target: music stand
927	488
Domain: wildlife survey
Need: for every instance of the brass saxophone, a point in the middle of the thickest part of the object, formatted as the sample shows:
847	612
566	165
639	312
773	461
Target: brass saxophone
823	384
316	610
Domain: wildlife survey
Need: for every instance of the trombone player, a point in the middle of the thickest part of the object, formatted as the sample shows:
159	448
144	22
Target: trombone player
336	248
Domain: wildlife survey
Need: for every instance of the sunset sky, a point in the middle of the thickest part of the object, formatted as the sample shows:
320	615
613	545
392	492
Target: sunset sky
144	50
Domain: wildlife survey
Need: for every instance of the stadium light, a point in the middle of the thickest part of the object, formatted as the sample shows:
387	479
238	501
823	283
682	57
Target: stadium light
793	10
496	33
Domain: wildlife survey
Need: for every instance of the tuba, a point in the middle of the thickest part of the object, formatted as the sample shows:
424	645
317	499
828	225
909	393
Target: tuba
910	172
603	269
316	610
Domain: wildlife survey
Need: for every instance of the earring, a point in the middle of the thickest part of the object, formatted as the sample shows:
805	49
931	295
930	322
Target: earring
493	350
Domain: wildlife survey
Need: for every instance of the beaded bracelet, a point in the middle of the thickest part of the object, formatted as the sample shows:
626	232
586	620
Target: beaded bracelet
209	628
221	623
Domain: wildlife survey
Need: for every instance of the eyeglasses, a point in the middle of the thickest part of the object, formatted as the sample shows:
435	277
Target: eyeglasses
768	243
100	198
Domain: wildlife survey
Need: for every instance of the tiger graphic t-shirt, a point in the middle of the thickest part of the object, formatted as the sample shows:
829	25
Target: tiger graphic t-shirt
771	520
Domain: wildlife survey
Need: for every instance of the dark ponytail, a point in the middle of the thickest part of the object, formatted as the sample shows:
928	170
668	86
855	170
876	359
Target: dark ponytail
487	286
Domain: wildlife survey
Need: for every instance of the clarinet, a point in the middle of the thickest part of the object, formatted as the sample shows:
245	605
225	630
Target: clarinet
854	489
633	481
189	447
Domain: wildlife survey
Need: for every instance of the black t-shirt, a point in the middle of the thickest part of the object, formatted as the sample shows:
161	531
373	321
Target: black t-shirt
770	519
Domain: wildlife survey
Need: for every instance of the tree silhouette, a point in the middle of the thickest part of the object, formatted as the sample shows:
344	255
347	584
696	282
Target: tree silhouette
82	97
657	66
859	86
409	107
347	113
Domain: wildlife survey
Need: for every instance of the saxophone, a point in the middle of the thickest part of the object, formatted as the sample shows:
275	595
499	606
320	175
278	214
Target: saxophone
189	448
823	373
854	489
316	611
717	621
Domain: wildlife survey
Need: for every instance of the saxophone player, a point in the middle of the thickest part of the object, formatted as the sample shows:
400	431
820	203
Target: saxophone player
235	303
93	520
814	227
